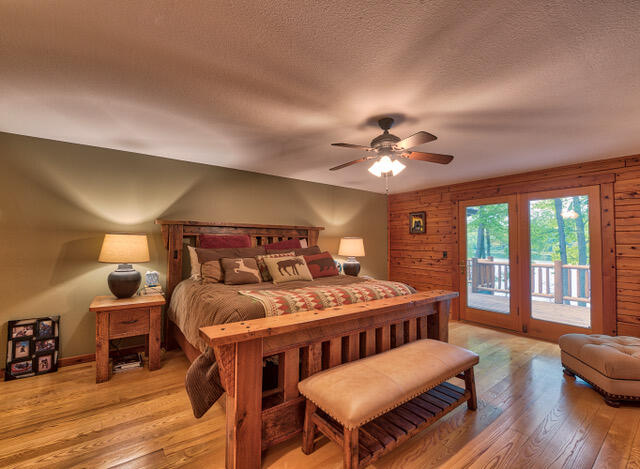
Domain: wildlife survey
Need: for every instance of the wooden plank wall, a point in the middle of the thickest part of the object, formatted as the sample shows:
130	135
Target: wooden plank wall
429	260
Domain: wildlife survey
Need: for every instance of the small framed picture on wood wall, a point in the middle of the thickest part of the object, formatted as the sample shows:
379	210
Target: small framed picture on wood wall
417	222
32	347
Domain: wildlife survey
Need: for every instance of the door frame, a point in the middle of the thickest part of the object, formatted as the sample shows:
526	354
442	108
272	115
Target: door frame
509	321
551	330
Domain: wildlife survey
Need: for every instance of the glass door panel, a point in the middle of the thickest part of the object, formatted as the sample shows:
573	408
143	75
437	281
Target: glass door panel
560	267
488	267
562	262
488	230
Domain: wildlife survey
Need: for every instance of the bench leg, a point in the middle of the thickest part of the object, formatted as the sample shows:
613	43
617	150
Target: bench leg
350	448
309	428
470	385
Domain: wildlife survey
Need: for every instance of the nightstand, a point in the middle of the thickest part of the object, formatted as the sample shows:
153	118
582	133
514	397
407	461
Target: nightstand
127	317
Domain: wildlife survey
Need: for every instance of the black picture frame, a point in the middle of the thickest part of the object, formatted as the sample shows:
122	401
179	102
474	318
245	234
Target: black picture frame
45	328
45	363
45	345
21	329
32	347
20	369
417	222
22	348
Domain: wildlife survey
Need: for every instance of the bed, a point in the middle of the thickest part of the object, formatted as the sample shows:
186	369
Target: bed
301	343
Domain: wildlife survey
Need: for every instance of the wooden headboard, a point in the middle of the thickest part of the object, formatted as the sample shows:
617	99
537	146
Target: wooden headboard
174	233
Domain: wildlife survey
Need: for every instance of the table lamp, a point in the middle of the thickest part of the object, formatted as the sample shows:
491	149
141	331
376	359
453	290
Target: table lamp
124	249
351	247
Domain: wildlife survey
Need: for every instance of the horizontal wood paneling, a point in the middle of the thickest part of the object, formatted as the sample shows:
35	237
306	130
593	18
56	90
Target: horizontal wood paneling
430	260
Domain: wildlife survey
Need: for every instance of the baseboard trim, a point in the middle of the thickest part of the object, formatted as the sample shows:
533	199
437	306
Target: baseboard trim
91	357
77	359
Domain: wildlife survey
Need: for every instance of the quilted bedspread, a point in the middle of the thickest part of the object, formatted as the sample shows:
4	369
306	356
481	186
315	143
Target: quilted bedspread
278	302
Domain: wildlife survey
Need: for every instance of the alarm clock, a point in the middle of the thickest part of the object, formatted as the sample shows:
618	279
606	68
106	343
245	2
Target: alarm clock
151	278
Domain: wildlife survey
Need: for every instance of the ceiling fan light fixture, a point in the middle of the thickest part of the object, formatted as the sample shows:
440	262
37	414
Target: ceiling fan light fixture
375	169
386	166
397	167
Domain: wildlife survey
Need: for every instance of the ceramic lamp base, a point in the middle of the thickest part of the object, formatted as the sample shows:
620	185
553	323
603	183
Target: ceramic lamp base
351	267
124	281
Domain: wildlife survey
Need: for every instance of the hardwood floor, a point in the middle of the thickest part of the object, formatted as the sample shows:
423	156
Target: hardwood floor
529	415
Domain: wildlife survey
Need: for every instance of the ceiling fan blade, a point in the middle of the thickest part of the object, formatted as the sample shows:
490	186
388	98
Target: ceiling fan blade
431	157
415	140
359	160
351	145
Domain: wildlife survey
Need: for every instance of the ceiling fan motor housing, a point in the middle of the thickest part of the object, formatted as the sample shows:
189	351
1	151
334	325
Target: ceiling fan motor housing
385	140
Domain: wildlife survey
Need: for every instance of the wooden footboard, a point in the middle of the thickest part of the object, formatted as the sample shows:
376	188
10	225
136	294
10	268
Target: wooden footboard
305	344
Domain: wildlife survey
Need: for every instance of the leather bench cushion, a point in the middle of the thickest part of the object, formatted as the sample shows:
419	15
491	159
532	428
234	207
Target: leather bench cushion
355	393
614	357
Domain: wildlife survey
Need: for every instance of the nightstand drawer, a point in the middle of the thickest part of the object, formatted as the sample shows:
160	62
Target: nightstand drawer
128	322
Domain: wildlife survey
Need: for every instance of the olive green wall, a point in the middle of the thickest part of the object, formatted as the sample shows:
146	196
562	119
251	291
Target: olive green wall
57	200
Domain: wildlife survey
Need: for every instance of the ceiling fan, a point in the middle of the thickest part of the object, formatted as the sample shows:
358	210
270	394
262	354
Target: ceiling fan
387	146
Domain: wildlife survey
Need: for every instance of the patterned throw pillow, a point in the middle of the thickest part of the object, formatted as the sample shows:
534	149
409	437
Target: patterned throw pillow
211	272
321	265
262	266
287	269
240	271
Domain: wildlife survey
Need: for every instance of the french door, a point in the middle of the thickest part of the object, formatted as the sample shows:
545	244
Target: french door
532	262
560	239
488	240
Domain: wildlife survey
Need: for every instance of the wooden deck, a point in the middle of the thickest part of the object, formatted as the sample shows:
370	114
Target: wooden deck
566	314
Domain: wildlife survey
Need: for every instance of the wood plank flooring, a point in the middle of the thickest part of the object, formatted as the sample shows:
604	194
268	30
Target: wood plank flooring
529	416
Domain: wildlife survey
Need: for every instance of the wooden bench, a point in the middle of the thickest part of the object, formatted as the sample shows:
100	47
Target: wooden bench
371	405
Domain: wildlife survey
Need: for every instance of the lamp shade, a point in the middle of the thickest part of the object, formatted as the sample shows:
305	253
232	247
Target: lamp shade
351	247
124	249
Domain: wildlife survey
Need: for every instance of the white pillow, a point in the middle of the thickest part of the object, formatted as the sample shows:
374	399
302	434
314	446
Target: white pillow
195	264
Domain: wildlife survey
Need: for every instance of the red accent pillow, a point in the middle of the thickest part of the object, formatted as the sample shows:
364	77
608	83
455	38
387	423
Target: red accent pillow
321	265
287	244
208	241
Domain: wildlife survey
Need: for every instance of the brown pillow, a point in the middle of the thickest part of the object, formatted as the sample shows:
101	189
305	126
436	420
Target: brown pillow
310	251
240	270
262	267
211	272
205	255
287	269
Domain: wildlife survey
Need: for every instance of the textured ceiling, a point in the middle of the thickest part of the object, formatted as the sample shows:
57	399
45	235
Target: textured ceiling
506	86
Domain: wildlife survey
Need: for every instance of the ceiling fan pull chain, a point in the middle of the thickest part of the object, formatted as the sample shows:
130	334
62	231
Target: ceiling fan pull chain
386	182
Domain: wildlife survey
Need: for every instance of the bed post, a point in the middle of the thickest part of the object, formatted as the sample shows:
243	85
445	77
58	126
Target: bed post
174	272
313	235
244	407
438	324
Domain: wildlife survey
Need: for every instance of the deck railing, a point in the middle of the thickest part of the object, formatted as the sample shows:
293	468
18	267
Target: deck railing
554	280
